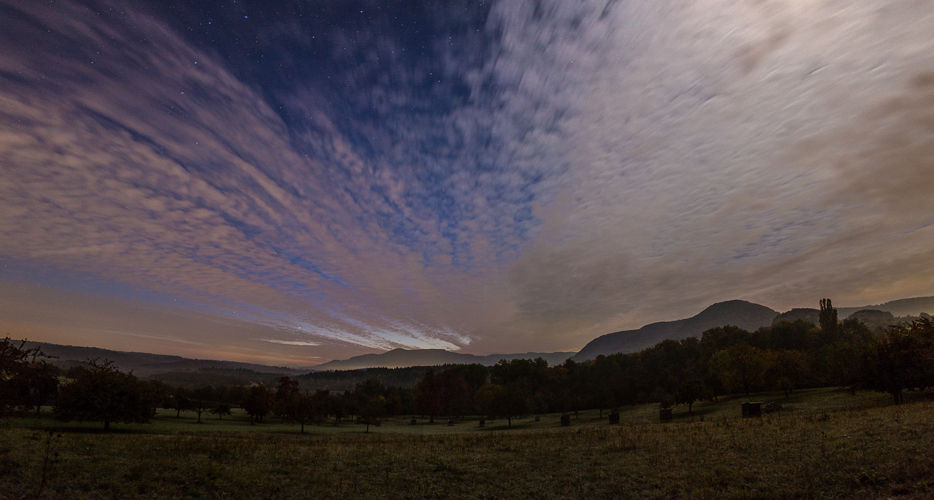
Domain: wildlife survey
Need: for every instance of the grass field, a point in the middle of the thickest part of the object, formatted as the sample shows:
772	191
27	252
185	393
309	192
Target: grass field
824	444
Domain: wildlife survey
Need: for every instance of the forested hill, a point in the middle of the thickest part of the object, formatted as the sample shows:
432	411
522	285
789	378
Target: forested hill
398	358
346	380
745	315
145	364
899	308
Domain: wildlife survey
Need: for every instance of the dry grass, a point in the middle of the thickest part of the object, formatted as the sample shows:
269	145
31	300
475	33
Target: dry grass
830	445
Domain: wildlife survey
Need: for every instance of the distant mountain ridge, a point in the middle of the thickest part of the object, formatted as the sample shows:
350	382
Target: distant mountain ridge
144	364
902	307
743	314
746	315
399	358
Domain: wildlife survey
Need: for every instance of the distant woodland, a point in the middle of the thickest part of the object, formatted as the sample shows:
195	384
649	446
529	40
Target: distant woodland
787	356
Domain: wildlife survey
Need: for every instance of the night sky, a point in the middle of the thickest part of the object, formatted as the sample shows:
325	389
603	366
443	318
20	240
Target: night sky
294	182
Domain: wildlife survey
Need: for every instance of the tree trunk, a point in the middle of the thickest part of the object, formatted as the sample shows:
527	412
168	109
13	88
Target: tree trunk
106	425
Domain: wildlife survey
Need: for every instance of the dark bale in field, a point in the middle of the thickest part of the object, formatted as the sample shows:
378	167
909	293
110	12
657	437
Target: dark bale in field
752	410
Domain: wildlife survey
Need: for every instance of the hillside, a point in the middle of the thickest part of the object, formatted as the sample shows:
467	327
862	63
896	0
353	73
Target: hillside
144	364
745	315
899	308
739	313
398	358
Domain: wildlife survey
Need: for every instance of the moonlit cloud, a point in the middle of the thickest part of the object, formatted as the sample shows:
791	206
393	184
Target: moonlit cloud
486	177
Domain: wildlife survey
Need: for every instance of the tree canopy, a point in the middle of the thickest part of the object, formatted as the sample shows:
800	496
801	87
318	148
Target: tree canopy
101	393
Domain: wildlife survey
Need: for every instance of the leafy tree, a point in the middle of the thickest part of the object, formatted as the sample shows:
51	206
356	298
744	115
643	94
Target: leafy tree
160	393
398	401
507	402
789	371
475	374
202	399
457	395
828	320
522	381
42	383
12	368
429	397
287	388
690	391
370	402
235	394
220	410
902	359
446	393
102	393
259	402
287	391
180	402
722	337
567	392
796	336
27	379
741	366
325	404
301	409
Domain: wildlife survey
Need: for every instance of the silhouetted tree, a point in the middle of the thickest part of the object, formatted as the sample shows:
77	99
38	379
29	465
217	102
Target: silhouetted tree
104	394
902	359
429	397
690	391
27	379
506	402
202	399
220	410
325	404
789	371
474	374
160	394
258	402
828	320
370	402
180	401
741	366
796	336
41	382
301	409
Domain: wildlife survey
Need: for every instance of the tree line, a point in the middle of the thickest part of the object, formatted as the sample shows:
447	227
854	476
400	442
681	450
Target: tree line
724	360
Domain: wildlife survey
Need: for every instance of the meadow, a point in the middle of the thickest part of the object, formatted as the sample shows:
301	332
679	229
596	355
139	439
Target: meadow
825	443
